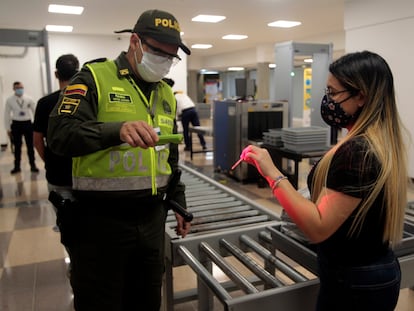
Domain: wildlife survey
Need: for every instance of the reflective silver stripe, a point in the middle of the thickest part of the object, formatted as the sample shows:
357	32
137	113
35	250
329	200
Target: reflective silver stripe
117	184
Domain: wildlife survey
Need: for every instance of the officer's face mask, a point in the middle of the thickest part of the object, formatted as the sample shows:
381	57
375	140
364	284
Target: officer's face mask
19	91
152	67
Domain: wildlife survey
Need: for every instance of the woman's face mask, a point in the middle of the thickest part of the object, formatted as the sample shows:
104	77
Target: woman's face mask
152	67
333	114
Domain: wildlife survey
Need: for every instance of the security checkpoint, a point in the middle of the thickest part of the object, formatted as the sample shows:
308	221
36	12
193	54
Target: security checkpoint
264	265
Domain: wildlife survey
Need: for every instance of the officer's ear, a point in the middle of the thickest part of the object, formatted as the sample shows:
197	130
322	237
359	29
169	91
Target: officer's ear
134	41
57	74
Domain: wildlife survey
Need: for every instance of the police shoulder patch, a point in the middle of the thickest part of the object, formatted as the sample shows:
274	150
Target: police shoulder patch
80	89
68	106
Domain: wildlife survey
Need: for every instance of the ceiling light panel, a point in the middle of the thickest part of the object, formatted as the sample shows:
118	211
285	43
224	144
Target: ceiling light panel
208	72
65	9
208	18
59	28
284	24
234	37
201	46
235	68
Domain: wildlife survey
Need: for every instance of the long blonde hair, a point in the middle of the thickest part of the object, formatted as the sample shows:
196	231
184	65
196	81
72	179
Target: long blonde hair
380	125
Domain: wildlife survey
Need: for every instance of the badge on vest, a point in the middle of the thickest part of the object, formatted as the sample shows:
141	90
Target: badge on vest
167	107
120	98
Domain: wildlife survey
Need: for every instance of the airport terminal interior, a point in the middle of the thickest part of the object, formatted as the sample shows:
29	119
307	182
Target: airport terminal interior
34	265
242	252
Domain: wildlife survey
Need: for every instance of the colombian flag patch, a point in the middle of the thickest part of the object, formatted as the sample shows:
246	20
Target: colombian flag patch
80	89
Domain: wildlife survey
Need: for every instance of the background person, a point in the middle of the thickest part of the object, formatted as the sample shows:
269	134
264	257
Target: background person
58	168
18	116
187	112
107	119
358	189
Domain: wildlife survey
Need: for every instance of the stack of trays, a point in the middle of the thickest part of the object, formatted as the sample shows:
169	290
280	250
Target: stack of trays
311	138
273	137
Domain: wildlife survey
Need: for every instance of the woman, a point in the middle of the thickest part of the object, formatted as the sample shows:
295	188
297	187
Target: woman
358	189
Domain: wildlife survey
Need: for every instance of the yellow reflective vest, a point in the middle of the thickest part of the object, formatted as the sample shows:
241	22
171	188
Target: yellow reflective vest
123	167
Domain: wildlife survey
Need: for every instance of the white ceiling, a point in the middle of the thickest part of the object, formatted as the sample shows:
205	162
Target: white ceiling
248	17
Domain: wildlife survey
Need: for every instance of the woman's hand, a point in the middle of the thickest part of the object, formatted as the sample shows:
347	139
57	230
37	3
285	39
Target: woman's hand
260	158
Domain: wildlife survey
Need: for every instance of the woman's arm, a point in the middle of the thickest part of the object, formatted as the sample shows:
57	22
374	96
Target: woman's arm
319	220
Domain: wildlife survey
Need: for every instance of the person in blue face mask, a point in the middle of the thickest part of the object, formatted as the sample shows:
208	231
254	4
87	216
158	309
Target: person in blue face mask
355	216
109	119
18	118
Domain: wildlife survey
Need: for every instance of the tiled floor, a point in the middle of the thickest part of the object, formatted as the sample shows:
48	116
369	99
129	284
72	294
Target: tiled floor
32	260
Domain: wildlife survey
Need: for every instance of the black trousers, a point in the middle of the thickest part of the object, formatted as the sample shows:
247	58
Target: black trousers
20	129
117	254
188	116
375	286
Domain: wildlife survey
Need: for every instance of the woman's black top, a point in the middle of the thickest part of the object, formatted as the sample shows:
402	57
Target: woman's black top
353	171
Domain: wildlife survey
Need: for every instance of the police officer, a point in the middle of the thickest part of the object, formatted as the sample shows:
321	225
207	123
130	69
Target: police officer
109	119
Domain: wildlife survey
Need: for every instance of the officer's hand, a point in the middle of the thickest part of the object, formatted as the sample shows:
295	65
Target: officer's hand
138	134
183	227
